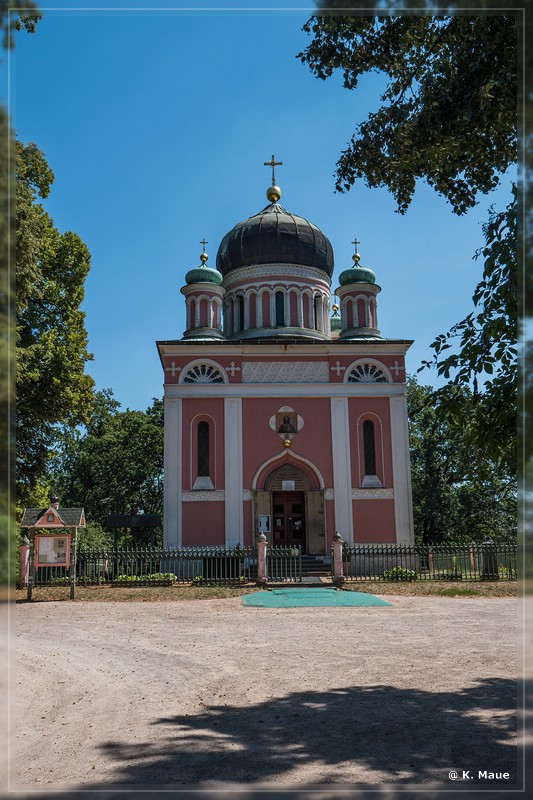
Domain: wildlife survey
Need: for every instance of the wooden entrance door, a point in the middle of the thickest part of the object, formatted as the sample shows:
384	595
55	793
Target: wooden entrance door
288	518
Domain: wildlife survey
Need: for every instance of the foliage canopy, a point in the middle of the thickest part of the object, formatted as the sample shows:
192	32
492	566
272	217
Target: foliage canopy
52	387
449	111
459	493
116	462
448	116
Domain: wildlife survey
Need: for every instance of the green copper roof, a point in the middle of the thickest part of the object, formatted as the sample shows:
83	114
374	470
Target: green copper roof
203	275
357	275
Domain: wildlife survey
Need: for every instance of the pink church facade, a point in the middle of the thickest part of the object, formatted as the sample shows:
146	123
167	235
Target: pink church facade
278	417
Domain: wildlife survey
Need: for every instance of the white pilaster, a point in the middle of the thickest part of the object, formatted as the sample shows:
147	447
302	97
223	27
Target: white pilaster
300	310
342	470
234	518
401	471
172	533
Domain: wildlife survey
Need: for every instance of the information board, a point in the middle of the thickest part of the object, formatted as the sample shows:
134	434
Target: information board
52	551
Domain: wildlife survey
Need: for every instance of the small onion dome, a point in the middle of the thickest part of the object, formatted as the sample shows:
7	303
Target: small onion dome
357	274
335	319
275	236
203	274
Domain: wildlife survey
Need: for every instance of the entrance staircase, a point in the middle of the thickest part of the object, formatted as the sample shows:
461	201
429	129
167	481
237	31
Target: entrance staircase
315	570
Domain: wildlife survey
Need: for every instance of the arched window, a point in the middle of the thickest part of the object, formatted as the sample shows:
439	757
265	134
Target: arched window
280	310
371	455
203	448
366	373
369	447
203	373
203	453
241	312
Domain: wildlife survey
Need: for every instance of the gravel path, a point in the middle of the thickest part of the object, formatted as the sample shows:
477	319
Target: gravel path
204	693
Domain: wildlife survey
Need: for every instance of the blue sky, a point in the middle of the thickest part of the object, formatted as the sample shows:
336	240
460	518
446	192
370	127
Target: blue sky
157	124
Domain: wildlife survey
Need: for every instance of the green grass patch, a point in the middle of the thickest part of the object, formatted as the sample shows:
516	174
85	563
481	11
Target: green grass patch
459	591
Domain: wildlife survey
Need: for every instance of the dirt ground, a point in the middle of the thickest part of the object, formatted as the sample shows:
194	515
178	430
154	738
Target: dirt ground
209	693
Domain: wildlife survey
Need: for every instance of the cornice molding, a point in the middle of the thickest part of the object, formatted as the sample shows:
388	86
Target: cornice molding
250	273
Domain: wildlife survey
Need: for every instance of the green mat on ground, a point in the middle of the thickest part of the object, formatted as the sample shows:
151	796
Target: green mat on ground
311	598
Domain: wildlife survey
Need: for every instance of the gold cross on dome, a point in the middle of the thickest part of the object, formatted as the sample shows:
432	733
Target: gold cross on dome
273	163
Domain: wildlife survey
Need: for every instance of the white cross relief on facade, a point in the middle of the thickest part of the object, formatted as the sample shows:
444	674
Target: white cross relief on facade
232	369
397	369
337	368
173	369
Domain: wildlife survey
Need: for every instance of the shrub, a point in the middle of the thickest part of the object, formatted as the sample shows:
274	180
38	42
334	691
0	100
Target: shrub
156	576
399	574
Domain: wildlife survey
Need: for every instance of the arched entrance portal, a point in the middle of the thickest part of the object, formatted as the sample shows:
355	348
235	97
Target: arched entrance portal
295	509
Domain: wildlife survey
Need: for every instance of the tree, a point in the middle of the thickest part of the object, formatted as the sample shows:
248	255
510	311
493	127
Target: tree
10	21
459	494
52	387
487	340
437	95
115	463
448	116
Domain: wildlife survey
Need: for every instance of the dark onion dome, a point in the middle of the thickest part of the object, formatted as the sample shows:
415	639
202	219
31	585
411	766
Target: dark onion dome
357	274
275	236
203	274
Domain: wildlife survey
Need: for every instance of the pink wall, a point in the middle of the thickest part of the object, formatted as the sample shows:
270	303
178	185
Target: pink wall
253	310
361	314
260	442
203	523
265	300
293	306
203	313
373	521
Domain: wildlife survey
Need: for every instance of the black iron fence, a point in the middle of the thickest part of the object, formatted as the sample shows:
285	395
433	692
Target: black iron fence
284	563
150	566
238	565
485	561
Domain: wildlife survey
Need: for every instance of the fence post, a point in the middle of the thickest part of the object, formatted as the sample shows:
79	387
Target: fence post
338	575
489	570
24	567
261	560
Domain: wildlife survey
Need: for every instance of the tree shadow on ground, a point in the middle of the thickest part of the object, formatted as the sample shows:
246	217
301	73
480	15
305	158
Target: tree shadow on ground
401	735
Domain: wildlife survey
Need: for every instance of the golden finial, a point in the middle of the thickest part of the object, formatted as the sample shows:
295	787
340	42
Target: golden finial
335	308
356	258
204	256
287	442
273	192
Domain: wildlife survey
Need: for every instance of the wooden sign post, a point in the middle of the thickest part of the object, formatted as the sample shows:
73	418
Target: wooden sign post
50	544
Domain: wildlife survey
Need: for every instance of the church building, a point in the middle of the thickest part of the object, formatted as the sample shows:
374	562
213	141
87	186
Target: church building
280	417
